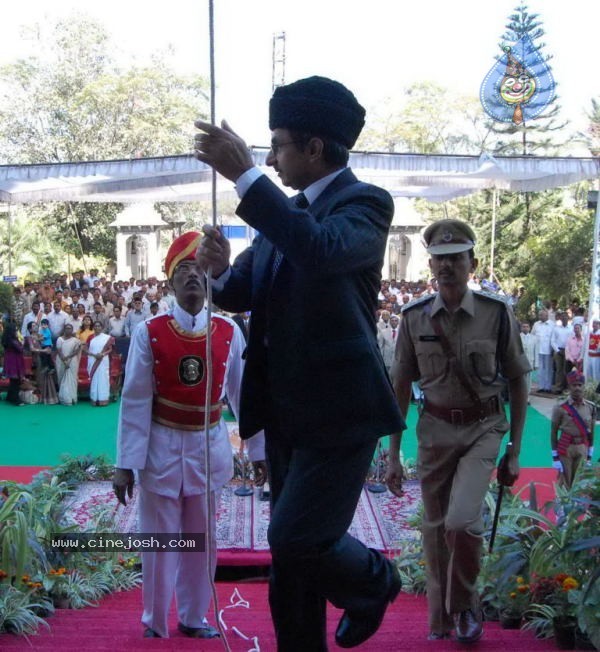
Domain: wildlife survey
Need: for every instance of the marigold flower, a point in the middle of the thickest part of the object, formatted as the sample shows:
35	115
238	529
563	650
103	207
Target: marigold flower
561	577
3	574
513	595
570	583
52	572
25	578
523	588
520	580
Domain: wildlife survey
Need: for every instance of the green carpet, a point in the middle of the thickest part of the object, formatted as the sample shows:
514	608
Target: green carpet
37	435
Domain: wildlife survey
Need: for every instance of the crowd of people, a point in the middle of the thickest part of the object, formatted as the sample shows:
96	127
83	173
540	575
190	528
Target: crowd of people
555	342
58	319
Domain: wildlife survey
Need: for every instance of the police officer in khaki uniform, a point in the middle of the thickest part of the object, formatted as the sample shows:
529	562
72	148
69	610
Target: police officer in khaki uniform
462	345
575	418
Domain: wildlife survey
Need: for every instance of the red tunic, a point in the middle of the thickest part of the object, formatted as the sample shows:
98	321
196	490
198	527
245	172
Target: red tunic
180	372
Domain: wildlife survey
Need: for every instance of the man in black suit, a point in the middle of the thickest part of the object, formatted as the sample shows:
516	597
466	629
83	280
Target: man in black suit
321	394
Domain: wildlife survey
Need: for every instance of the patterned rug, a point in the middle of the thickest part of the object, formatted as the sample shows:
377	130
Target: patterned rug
381	520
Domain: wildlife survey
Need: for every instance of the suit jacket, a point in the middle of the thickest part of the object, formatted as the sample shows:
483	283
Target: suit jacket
322	386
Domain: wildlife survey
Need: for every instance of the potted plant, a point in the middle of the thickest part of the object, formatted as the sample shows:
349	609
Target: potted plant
17	615
514	602
55	583
561	593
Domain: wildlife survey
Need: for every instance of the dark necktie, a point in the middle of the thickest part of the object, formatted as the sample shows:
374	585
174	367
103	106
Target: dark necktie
300	201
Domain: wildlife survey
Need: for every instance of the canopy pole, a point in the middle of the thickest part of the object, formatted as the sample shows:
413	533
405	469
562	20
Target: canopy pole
10	252
594	301
493	239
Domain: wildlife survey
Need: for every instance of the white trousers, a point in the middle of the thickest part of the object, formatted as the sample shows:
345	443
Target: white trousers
180	573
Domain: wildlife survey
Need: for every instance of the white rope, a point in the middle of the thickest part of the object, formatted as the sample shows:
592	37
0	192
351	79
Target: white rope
236	600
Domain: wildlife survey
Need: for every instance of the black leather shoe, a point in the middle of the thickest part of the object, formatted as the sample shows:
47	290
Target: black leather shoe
354	629
150	633
468	627
198	632
438	636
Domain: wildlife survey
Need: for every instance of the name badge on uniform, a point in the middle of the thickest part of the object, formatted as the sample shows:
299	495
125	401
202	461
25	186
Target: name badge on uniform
429	338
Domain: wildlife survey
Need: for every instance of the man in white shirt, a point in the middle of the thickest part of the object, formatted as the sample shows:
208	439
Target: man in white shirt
386	338
35	315
530	349
86	299
162	437
542	331
116	323
558	340
56	321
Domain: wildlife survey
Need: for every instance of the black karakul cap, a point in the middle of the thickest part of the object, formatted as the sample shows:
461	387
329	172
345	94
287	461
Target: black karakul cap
319	106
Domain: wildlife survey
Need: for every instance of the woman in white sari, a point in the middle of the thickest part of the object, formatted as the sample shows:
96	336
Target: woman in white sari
68	349
99	346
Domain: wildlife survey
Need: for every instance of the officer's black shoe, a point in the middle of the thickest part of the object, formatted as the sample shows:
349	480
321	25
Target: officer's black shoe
150	633
468	626
354	629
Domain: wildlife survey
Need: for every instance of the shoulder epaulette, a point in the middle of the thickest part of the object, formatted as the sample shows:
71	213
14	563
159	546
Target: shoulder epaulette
418	302
591	404
490	296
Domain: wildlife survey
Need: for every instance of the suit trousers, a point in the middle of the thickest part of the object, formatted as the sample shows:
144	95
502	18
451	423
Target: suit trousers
545	371
455	464
314	493
184	573
560	381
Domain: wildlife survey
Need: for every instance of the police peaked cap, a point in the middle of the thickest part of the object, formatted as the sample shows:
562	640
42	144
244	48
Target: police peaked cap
319	106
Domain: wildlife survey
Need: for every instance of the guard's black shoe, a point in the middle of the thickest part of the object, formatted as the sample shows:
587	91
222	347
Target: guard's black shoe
198	632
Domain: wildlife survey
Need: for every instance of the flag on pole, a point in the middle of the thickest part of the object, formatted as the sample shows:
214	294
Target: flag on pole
519	86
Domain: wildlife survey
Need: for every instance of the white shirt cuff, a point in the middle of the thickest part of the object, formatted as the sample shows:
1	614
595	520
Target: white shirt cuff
219	283
243	183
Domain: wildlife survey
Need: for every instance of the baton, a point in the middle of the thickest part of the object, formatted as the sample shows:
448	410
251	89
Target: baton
496	515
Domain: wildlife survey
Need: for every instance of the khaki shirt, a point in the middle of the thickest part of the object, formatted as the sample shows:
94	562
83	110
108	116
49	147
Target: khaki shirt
565	422
473	333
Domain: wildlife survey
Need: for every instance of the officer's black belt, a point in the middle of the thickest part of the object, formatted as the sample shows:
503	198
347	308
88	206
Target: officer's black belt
464	416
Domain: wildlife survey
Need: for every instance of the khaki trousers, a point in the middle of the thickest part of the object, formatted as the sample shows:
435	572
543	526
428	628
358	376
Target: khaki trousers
455	464
576	455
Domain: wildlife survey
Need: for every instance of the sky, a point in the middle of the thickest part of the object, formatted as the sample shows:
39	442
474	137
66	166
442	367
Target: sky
377	48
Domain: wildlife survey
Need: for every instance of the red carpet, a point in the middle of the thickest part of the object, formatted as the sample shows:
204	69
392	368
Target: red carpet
115	625
22	474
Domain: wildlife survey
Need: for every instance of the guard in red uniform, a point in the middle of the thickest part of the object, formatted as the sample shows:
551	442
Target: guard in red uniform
162	438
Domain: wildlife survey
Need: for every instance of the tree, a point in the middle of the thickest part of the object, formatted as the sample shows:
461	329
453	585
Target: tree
537	136
70	102
592	135
427	119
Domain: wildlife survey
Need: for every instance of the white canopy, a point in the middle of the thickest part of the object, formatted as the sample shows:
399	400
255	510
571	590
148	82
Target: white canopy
183	179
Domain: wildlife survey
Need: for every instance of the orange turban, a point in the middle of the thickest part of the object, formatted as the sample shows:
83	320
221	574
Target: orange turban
182	248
